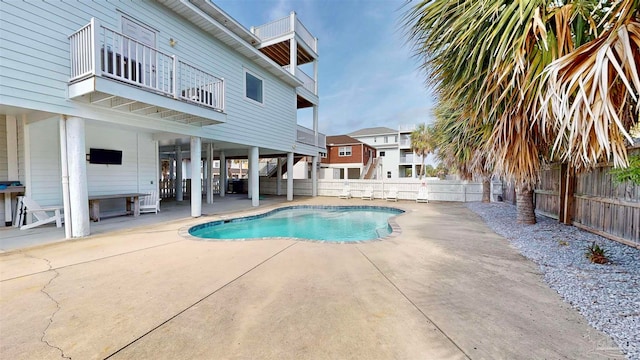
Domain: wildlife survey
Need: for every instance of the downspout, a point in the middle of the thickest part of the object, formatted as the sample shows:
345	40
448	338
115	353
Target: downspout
65	177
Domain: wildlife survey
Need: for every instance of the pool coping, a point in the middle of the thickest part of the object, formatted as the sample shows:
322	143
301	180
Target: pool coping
396	230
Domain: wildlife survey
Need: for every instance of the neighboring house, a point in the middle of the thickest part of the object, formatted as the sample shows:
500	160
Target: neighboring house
397	160
147	80
385	141
346	158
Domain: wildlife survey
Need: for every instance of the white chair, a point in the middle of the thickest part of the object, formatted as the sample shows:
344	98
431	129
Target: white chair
43	215
346	192
150	203
392	195
422	195
367	194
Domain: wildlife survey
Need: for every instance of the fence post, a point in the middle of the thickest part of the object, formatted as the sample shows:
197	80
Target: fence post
567	183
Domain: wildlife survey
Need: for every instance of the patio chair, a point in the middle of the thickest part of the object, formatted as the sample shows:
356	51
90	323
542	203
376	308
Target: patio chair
150	203
367	194
392	195
422	195
43	215
346	192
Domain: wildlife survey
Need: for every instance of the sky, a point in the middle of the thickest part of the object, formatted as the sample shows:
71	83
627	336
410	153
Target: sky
367	76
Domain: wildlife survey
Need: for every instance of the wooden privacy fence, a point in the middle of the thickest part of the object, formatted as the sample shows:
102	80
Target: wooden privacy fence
591	201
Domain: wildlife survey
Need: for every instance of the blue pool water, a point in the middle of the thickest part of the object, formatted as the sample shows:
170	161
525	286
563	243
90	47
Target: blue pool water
325	223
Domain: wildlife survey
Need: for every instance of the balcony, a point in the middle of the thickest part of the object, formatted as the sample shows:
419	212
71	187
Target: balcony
307	136
113	70
273	40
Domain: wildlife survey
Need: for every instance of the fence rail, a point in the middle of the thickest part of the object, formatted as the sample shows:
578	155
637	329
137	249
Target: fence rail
591	201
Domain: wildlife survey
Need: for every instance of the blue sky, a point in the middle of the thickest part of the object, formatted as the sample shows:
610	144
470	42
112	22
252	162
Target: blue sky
367	76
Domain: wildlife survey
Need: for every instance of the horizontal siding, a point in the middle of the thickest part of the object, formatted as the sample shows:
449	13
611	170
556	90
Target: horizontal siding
4	169
44	147
34	64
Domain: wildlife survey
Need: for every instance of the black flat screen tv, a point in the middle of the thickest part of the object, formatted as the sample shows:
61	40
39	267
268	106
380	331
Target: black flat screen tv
104	156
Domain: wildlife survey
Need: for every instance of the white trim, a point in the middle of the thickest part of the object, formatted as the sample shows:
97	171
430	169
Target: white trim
347	152
244	87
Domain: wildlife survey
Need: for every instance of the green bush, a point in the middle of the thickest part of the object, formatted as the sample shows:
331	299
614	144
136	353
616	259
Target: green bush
631	173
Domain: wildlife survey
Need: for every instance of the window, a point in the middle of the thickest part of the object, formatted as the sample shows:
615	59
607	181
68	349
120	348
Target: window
382	153
386	139
388	174
344	151
253	87
375	139
323	155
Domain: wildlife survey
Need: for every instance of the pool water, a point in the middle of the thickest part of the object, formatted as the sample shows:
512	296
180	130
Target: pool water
325	223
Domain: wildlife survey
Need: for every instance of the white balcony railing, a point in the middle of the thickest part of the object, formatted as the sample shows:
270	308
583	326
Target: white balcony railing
285	26
97	50
307	81
307	136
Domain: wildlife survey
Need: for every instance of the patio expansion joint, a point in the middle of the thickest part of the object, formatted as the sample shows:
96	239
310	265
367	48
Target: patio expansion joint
414	304
200	300
44	291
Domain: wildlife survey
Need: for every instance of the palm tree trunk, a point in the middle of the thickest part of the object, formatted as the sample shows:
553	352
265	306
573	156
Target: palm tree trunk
526	212
486	189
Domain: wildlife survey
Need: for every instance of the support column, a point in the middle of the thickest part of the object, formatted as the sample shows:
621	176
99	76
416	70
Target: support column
315	124
249	177
293	45
178	183
196	180
290	176
314	176
279	177
66	202
254	175
209	173
77	166
223	174
12	163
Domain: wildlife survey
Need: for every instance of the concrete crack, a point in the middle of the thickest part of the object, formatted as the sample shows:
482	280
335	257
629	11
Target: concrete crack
44	291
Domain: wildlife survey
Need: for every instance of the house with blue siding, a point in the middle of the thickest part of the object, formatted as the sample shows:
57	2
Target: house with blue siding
93	99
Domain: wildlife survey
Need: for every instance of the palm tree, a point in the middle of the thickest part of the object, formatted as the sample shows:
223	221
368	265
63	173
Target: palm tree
461	146
422	143
519	67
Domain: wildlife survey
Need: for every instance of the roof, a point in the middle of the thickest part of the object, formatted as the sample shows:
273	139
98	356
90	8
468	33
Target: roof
216	22
373	131
341	140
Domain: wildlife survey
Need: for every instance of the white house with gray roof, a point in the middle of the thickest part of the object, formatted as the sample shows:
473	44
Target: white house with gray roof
95	94
394	149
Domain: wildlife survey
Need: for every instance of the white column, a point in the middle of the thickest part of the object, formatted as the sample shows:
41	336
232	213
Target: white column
223	174
12	163
66	202
314	176
289	176
78	192
315	73
196	181
293	54
209	173
249	179
254	178
279	177
179	195
315	124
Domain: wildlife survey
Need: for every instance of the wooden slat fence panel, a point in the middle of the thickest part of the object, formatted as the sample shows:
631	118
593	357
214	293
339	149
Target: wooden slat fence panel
547	193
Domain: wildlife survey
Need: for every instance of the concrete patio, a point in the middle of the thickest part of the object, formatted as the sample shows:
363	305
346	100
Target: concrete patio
446	288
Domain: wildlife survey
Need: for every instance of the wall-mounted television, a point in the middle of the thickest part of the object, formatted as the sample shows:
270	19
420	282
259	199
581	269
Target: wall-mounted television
104	156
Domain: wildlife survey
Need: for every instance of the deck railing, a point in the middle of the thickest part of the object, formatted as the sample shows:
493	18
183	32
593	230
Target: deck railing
307	81
97	50
285	26
307	136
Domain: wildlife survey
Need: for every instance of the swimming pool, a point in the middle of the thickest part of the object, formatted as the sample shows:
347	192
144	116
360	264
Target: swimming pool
325	223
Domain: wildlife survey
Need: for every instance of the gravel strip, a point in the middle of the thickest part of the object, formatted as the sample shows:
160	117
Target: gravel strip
608	296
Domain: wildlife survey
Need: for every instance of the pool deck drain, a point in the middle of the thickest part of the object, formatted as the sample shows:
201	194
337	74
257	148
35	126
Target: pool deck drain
446	288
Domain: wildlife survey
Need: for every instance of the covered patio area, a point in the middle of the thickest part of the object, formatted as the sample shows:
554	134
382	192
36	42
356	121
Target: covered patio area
12	238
